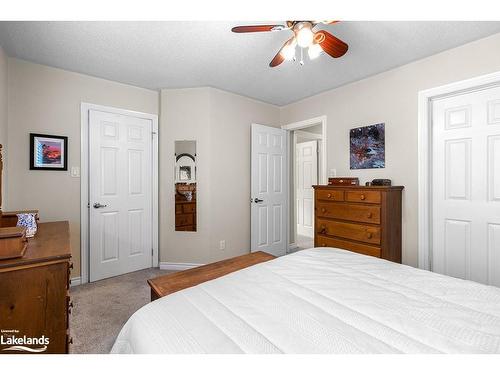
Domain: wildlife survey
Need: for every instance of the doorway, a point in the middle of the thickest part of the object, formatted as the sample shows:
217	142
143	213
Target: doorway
119	192
307	168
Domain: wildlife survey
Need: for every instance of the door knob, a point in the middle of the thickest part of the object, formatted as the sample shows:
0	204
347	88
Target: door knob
98	205
257	200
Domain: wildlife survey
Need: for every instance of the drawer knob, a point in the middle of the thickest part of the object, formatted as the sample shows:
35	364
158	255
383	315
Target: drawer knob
323	209
369	235
70	265
323	229
323	245
370	215
362	197
329	195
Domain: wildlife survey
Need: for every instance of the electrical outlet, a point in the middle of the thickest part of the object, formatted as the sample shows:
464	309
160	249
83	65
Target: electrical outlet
75	171
333	173
222	245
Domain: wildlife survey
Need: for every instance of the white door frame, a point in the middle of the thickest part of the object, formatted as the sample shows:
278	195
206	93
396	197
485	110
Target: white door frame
425	98
323	177
84	182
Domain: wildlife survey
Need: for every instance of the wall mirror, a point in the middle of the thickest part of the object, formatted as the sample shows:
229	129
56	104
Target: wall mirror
185	186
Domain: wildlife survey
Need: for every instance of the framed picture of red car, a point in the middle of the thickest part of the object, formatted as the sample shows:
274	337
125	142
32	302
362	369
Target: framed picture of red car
48	152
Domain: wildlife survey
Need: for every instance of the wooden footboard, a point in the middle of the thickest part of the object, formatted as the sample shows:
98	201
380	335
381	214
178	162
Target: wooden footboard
167	284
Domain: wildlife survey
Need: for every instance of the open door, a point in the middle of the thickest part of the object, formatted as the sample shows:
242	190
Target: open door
269	196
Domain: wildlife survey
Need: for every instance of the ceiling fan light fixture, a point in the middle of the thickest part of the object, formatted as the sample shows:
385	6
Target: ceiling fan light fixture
305	36
288	52
314	51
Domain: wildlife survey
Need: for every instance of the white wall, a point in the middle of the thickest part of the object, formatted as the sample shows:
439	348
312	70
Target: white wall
391	97
3	115
47	100
220	123
185	115
230	120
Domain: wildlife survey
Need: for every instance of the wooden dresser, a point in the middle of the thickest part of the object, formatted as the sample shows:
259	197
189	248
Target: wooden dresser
34	289
185	213
365	220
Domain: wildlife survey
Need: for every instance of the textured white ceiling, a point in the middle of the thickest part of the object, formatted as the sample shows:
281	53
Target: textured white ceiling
159	55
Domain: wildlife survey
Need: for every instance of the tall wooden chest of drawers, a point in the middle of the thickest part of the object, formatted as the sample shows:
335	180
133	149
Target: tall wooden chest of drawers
185	213
366	220
34	291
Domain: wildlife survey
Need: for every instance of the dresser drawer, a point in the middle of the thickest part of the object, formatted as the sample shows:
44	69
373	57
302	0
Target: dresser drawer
186	228
358	232
189	208
346	211
330	195
323	241
364	196
185	219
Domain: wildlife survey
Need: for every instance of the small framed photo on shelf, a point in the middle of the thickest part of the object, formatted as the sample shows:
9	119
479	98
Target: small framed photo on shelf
48	152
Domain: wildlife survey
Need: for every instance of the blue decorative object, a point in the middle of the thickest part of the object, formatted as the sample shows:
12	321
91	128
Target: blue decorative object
188	195
27	220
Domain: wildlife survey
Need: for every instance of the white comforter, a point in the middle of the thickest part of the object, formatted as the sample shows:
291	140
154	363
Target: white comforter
320	300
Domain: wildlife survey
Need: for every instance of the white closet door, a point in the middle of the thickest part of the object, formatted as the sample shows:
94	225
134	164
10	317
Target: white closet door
466	186
307	176
120	173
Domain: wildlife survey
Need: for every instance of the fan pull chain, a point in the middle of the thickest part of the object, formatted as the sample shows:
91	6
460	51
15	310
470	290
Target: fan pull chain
301	62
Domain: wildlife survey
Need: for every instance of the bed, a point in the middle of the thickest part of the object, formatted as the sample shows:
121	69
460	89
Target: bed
321	300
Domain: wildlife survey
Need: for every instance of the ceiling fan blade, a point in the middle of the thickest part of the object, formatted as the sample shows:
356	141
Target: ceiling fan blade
279	58
329	22
330	44
257	28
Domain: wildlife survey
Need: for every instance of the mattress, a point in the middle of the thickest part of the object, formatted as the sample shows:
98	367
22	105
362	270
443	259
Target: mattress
320	300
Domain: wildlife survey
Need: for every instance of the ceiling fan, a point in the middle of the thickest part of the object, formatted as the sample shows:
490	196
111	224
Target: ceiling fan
304	36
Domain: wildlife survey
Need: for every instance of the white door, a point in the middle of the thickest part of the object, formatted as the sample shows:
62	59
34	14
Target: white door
268	190
307	175
120	173
466	186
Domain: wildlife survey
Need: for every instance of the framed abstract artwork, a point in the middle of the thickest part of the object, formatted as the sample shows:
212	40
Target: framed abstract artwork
367	147
48	152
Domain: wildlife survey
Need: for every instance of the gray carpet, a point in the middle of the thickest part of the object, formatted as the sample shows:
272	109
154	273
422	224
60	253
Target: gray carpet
101	309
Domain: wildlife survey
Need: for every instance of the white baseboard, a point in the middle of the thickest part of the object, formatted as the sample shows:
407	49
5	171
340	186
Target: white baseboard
178	266
76	281
292	246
